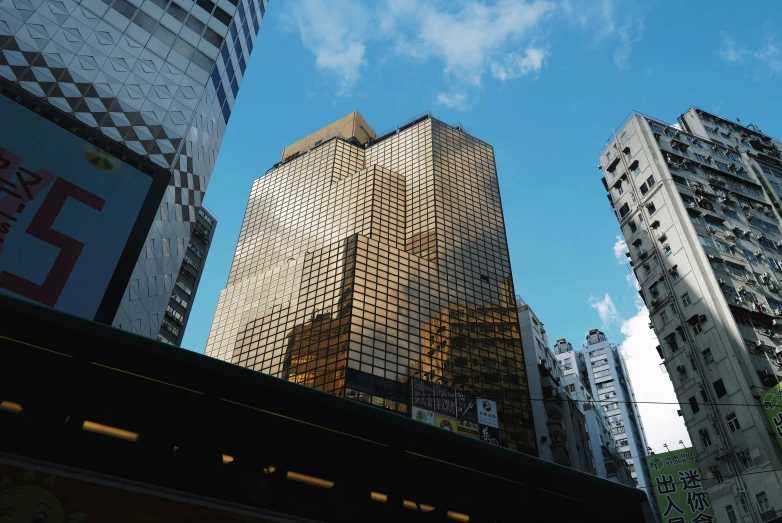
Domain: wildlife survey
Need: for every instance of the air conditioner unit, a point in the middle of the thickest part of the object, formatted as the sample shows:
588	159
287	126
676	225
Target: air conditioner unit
759	343
722	282
744	206
758	253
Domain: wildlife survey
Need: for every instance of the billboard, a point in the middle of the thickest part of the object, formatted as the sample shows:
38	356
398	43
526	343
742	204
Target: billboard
67	211
676	480
772	405
444	407
35	494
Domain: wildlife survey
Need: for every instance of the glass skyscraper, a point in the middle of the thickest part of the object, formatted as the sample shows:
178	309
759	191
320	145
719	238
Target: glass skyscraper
155	77
366	261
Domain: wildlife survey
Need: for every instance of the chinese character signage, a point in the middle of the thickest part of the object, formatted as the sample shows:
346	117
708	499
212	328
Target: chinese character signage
676	480
487	413
447	408
67	210
772	405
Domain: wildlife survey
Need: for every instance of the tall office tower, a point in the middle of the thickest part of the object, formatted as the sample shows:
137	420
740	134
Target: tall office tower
602	369
696	202
560	421
149	80
365	261
609	462
181	303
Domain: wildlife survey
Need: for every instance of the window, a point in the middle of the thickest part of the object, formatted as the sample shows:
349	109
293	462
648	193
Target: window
694	405
629	156
696	220
697	328
731	514
686	299
656	128
623	138
747	461
650	208
676	276
744	506
733	422
763	504
722	246
620	190
701	158
723	166
667	250
608	156
633	226
732	214
636	171
624	210
711	130
719	388
734	156
706	242
650	181
664	317
705	438
707	356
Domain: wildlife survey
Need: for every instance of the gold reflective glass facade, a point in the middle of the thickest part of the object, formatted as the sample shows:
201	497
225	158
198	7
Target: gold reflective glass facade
359	267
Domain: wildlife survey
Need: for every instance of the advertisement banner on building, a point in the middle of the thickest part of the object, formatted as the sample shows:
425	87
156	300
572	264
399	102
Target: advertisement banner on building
772	405
676	480
487	413
67	210
467	414
445	422
423	415
422	393
444	400
36	494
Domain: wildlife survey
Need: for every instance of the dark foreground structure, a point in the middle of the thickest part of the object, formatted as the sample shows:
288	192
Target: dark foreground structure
100	425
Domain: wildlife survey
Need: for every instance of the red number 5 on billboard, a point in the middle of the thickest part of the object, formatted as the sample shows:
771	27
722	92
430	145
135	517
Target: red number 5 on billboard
70	249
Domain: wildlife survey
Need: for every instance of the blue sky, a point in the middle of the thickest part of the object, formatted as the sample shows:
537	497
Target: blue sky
543	82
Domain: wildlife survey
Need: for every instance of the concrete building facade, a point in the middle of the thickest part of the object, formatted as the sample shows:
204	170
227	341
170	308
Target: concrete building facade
699	206
609	463
172	330
155	79
366	260
602	370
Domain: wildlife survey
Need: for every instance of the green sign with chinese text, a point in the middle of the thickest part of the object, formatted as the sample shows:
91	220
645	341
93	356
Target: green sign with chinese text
772	405
676	480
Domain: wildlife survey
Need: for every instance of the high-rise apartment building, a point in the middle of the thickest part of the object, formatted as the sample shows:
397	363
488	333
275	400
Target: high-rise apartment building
177	314
609	462
602	368
365	261
560	421
698	204
153	80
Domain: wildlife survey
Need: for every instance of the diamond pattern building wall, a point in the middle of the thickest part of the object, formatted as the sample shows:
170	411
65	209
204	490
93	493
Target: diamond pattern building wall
158	77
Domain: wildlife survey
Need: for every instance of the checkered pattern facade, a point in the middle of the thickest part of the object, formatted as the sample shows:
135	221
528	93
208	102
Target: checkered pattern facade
159	77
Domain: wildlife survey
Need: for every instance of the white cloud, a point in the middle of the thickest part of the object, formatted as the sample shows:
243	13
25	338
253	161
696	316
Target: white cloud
661	422
768	57
469	38
629	34
617	21
606	309
728	50
456	101
620	249
335	31
515	65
